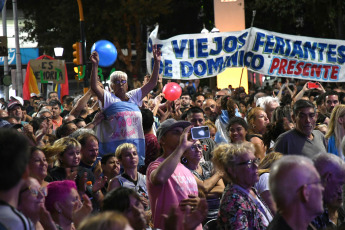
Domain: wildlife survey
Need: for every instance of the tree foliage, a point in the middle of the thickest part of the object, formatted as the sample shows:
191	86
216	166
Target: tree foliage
126	23
56	22
315	18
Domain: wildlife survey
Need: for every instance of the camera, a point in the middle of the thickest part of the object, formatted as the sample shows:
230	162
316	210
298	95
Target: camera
201	132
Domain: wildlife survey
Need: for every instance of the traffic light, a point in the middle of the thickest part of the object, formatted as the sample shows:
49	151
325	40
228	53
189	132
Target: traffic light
80	72
77	53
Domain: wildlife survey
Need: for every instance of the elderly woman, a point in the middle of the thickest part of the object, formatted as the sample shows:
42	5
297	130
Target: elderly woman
209	181
123	121
64	204
130	178
38	165
257	120
241	207
238	130
31	204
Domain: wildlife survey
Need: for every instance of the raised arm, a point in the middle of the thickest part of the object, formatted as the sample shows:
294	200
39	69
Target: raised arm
145	89
164	171
99	91
81	103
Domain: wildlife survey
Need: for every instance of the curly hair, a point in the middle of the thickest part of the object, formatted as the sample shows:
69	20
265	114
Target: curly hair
226	155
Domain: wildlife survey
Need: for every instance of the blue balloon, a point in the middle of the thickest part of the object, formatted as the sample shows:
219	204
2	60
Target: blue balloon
106	51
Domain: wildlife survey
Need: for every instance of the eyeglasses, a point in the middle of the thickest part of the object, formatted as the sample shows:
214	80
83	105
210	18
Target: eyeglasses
250	163
120	82
46	118
195	147
34	192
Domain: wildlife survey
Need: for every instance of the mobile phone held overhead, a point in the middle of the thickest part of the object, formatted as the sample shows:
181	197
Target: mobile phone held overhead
201	132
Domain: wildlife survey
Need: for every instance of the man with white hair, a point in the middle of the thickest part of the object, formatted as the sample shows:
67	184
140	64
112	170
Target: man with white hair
332	171
297	189
269	104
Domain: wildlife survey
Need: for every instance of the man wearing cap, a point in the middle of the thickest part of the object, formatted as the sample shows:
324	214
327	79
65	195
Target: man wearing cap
170	183
14	109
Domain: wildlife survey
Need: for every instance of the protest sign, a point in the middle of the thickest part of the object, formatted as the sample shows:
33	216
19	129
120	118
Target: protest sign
46	70
196	56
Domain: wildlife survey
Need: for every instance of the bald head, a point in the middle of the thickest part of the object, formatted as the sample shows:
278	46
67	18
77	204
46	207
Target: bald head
287	176
329	163
332	172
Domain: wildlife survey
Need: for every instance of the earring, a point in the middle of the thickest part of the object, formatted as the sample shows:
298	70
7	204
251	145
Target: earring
59	211
184	160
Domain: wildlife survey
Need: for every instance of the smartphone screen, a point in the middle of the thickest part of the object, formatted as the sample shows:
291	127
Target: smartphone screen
201	132
312	85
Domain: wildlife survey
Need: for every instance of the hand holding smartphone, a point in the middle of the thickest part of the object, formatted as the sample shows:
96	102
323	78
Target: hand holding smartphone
313	85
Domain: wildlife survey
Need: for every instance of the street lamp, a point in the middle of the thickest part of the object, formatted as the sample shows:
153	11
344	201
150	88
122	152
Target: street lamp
215	30
204	30
58	51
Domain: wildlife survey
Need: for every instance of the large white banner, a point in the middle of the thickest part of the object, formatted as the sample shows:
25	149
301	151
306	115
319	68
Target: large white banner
196	56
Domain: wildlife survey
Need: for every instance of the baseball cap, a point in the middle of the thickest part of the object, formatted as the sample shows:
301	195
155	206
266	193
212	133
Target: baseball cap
43	111
12	98
33	95
169	124
13	103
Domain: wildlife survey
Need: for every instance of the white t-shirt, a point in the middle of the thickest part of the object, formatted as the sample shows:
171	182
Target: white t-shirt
262	184
133	95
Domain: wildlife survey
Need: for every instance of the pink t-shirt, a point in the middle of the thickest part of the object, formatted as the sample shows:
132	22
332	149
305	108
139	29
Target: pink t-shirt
163	197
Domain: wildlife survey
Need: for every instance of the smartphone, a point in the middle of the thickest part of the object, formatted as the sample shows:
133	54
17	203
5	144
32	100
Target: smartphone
200	132
312	85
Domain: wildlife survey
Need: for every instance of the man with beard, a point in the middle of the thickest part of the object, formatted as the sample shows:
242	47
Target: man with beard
210	108
185	102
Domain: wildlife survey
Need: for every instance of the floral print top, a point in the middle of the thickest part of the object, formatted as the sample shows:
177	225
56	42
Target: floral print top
238	211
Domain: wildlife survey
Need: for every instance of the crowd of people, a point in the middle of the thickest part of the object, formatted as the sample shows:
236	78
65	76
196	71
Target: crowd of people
119	159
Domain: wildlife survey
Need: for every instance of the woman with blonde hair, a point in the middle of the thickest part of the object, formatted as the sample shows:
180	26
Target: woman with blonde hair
262	185
241	207
127	154
257	120
336	131
66	152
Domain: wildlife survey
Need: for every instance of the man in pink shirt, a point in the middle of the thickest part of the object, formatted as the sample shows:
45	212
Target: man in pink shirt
169	183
